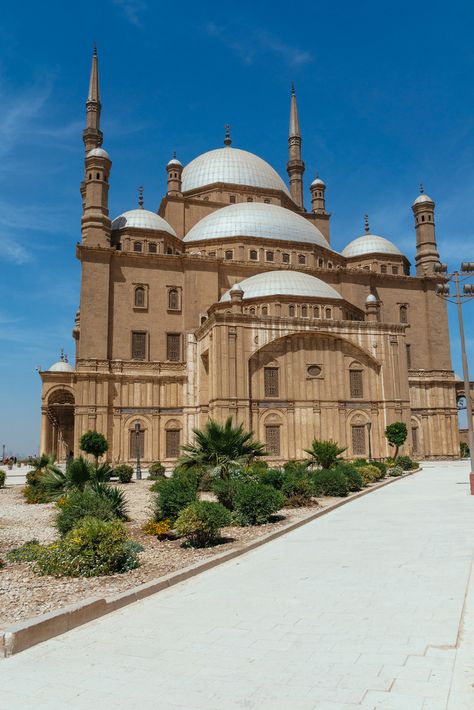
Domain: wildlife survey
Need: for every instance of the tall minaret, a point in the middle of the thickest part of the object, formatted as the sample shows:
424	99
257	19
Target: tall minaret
95	186
92	135
295	165
426	248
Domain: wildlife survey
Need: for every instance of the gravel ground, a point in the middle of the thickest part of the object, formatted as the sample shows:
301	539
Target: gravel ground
25	594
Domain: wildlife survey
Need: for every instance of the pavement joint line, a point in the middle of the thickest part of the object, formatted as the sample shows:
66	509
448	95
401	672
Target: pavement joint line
31	632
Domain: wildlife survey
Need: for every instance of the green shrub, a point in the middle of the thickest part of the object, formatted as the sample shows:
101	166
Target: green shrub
201	522
26	553
94	443
273	477
370	474
360	462
325	453
80	504
226	491
191	476
464	450
355	482
395	471
156	470
396	435
330	482
3	477
93	548
406	463
114	495
382	467
124	473
297	488
256	502
172	495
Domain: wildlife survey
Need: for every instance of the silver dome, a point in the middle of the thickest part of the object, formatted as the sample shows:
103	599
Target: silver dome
258	220
422	198
232	166
142	219
61	366
370	244
99	152
371	298
317	182
174	161
284	283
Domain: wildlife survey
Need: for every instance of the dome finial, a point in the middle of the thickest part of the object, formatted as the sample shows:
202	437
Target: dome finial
61	356
174	155
66	358
227	139
366	223
140	197
422	189
292	88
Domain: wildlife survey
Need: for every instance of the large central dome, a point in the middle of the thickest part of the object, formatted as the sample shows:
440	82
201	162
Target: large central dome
257	220
232	166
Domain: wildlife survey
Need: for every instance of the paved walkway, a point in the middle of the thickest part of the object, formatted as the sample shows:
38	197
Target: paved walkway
360	608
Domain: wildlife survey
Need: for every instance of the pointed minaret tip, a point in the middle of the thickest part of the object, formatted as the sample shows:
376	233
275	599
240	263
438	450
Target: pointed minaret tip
294	120
293	89
94	91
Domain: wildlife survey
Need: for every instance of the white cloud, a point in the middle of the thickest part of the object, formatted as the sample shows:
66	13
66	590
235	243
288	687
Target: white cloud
132	9
13	251
18	111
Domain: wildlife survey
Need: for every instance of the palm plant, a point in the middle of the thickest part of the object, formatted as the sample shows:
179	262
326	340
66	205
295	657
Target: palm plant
325	453
55	482
221	449
41	465
114	495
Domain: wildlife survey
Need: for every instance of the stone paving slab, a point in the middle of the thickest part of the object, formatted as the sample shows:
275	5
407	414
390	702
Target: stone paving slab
358	609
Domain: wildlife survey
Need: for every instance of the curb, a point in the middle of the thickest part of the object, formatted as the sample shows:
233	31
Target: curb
46	626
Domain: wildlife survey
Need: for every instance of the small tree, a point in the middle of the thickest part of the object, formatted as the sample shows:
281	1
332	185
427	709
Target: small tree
325	453
396	435
94	443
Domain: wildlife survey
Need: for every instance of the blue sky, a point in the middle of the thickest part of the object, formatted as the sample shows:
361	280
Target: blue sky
386	101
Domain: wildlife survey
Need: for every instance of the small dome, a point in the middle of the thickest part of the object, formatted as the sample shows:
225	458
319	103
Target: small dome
317	182
61	366
176	162
284	283
370	244
99	152
232	166
258	220
423	198
142	219
371	298
236	288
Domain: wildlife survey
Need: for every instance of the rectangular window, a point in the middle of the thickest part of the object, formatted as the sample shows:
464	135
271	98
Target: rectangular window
394	270
414	438
270	376
138	345
383	269
285	258
137	443
358	440
408	356
355	381
232	199
269	256
172	443
173	347
272	440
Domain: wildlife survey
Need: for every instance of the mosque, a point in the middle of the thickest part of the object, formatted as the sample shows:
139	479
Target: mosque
230	300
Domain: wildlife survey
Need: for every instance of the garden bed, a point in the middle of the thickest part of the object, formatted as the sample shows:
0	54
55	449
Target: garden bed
25	594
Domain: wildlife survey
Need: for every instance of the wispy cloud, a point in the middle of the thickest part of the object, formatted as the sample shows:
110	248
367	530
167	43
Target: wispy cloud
12	251
132	9
252	45
18	111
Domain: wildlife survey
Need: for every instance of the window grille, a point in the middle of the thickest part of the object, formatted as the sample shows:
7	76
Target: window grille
358	440
139	297
269	256
173	347
408	347
285	258
355	381
229	254
271	381
414	438
301	259
152	248
137	246
173	299
272	440
133	444
138	346
253	255
172	443
403	314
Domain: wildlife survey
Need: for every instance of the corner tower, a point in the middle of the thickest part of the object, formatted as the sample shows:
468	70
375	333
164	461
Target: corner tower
295	165
426	248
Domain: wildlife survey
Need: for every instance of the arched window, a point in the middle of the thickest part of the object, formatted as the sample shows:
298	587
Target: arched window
316	312
269	256
329	265
140	297
328	313
229	254
152	248
285	258
403	314
252	311
267	201
301	259
232	199
291	311
264	310
98	176
253	254
249	199
304	311
383	269
173	299
320	263
169	250
137	246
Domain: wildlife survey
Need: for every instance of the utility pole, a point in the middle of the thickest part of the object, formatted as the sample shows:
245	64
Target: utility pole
442	290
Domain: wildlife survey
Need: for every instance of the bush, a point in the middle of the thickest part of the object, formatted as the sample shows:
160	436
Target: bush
382	467
464	450
3	477
370	474
80	504
406	463
201	522
115	496
160	529
256	502
93	548
156	470
297	488
325	453
273	477
94	443
225	491
124	473
26	553
173	494
355	482
395	471
330	482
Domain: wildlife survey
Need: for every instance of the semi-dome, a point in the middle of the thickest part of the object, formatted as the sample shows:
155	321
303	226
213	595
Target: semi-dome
98	152
232	166
142	219
61	366
370	244
257	220
284	283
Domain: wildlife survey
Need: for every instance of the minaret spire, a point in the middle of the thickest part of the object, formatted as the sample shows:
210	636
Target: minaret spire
295	165
92	135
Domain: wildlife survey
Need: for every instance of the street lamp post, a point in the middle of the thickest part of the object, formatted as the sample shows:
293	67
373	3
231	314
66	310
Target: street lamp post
369	428
3	453
138	471
442	290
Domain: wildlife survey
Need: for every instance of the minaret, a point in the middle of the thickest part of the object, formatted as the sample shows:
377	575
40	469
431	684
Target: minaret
174	169
295	165
426	248
92	135
95	186
318	201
